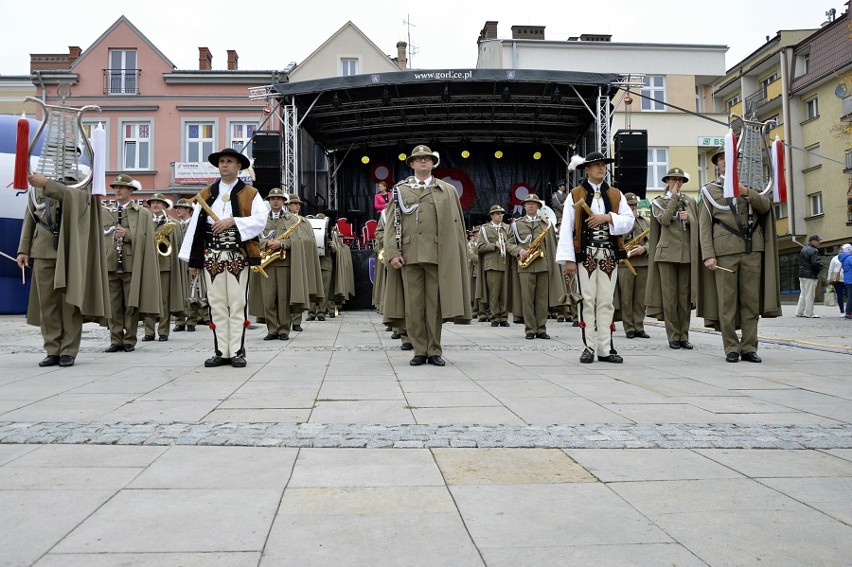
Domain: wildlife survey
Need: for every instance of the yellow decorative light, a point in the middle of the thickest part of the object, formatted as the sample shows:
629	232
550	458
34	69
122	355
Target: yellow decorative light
365	159
498	154
465	154
537	155
402	156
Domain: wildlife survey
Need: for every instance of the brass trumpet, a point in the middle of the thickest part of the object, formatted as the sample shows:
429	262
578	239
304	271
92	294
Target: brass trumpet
164	245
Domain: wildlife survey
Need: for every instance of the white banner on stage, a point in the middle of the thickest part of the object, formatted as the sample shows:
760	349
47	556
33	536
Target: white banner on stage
202	173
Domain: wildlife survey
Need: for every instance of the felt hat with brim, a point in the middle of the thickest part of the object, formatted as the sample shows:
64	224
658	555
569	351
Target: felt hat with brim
276	192
595	157
123	180
423	151
676	172
183	203
496	209
720	152
533	198
294	199
229	152
631	198
159	197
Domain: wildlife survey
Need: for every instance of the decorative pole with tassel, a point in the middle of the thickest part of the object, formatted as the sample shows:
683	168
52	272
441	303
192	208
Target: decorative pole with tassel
22	154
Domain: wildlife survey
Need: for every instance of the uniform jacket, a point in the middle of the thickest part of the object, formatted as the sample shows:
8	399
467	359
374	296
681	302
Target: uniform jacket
80	265
171	263
445	243
521	235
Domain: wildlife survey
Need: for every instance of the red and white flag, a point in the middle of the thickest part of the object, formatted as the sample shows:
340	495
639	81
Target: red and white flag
779	182
732	178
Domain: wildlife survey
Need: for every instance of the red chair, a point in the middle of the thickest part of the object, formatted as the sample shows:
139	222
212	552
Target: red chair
368	234
346	232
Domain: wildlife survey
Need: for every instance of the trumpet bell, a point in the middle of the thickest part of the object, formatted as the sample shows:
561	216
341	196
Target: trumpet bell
164	248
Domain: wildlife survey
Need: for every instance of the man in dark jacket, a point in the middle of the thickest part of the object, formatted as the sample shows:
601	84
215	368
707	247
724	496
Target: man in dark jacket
810	265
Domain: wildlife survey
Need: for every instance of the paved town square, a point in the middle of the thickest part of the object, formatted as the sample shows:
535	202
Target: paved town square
330	449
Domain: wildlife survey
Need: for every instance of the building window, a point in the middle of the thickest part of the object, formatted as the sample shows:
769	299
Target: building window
803	62
348	66
241	133
732	102
122	72
699	99
199	141
764	84
812	157
658	164
780	210
816	204
136	145
89	129
654	93
848	159
812	108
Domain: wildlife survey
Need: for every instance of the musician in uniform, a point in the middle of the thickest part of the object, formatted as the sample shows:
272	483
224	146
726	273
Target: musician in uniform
557	200
673	261
533	242
193	315
343	275
741	282
592	234
478	302
425	245
133	267
494	271
382	269
632	287
61	233
313	271
320	308
173	286
225	249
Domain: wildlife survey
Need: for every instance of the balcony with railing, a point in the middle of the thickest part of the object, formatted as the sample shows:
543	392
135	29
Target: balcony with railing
757	102
121	81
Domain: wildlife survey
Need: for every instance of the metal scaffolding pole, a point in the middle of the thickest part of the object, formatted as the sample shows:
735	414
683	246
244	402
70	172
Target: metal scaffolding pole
602	118
290	159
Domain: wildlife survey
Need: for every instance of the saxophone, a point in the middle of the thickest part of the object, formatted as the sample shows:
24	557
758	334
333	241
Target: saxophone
536	250
630	245
161	239
268	256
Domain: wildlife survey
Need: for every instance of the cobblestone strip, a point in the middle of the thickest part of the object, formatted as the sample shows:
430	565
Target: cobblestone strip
590	436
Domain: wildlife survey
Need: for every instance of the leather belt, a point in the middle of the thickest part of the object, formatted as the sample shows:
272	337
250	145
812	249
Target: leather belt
228	239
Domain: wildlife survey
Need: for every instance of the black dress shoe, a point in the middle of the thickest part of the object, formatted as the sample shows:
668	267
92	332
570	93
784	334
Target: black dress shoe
530	336
395	335
238	362
674	344
113	348
732	357
495	323
417	360
611	358
751	357
179	328
560	319
129	348
320	317
436	360
297	328
283	337
163	338
483	319
542	336
630	335
270	337
504	323
686	344
190	328
587	357
643	335
388	328
576	324
406	346
66	360
49	360
215	361
147	338
311	318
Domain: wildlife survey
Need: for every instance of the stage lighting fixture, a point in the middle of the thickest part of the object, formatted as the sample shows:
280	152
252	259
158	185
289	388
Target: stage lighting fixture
335	101
386	97
498	154
402	156
445	94
556	95
536	155
465	154
506	96
365	159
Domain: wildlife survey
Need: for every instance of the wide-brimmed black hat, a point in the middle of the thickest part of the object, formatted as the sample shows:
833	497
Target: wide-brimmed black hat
595	157
214	157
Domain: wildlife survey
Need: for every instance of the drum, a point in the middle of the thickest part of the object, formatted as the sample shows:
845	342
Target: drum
322	232
546	211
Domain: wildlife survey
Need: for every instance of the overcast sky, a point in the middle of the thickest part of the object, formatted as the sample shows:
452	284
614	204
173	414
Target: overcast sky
267	34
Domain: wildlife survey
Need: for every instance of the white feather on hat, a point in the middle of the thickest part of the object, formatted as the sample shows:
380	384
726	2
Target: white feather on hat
575	162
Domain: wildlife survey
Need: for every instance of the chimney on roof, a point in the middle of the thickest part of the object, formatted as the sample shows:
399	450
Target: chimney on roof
205	59
489	31
527	32
401	58
233	58
595	37
73	53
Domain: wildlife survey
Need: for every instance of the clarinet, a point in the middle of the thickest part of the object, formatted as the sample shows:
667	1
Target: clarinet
119	245
397	218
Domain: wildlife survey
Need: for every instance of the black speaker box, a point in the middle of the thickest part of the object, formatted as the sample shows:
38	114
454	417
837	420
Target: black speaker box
631	161
266	149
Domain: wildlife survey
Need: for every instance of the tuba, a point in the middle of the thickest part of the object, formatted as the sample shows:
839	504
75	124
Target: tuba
162	238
